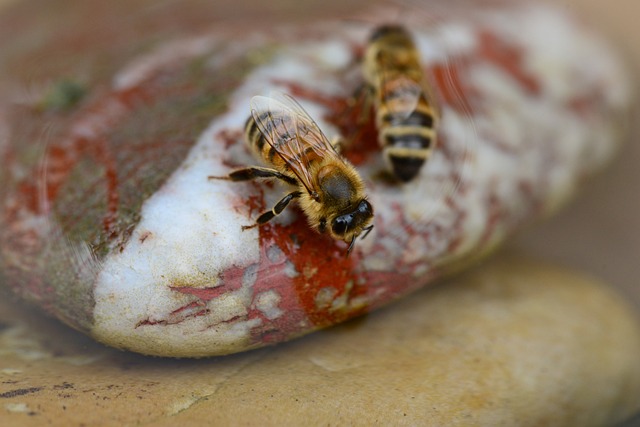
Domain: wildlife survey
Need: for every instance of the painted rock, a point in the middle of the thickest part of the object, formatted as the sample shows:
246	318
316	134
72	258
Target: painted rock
109	220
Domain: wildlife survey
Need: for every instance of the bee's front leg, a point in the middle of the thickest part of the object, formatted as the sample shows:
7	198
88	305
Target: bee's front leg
277	209
255	172
363	100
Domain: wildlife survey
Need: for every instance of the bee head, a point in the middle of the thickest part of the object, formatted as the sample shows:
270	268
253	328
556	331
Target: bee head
388	30
348	226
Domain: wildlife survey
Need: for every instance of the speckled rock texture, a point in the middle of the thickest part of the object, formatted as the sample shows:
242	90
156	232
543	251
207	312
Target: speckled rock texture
513	343
109	220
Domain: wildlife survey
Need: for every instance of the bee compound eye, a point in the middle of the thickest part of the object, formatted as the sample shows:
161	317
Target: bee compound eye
342	224
365	208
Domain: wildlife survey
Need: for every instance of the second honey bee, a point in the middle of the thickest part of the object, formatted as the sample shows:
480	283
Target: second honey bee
405	110
329	190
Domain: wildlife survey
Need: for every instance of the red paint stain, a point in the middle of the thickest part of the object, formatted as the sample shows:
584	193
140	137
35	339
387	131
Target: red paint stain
325	259
230	281
97	120
177	316
508	57
101	152
194	304
301	247
87	139
496	213
584	106
144	236
457	237
28	193
229	137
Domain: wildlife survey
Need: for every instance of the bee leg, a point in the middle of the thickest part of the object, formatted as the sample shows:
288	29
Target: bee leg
277	209
351	245
367	230
254	172
360	93
363	97
353	241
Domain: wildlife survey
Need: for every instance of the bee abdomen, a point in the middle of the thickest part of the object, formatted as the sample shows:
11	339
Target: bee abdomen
416	118
404	167
407	137
253	136
258	142
268	151
406	150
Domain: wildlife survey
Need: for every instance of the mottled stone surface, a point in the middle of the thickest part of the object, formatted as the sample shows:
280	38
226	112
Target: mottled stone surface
112	226
83	382
515	342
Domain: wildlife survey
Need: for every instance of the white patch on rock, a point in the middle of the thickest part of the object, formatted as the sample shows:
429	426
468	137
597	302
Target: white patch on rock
325	297
142	68
267	303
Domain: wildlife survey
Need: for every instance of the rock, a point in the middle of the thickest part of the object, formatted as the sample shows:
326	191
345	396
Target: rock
516	342
111	224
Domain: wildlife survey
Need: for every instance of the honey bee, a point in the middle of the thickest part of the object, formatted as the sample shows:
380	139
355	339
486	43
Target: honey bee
329	190
405	111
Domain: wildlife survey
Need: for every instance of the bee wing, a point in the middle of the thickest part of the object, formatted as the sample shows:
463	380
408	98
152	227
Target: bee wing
293	134
427	88
401	94
308	128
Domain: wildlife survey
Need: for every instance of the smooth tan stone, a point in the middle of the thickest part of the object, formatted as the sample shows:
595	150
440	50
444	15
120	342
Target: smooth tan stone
514	342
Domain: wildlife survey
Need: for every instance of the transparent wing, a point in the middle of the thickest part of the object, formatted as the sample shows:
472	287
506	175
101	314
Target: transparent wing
430	96
401	94
293	134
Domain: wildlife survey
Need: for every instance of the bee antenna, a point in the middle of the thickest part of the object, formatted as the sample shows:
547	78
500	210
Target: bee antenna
351	245
353	240
367	230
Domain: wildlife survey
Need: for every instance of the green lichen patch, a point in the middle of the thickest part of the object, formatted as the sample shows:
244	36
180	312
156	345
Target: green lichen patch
63	95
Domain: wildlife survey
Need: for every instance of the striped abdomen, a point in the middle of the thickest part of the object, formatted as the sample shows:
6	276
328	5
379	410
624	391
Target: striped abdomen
405	117
282	146
406	129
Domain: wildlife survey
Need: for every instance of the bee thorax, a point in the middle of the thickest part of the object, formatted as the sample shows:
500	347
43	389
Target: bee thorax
336	186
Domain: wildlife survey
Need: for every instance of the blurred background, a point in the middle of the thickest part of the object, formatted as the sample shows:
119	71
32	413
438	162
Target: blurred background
599	233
